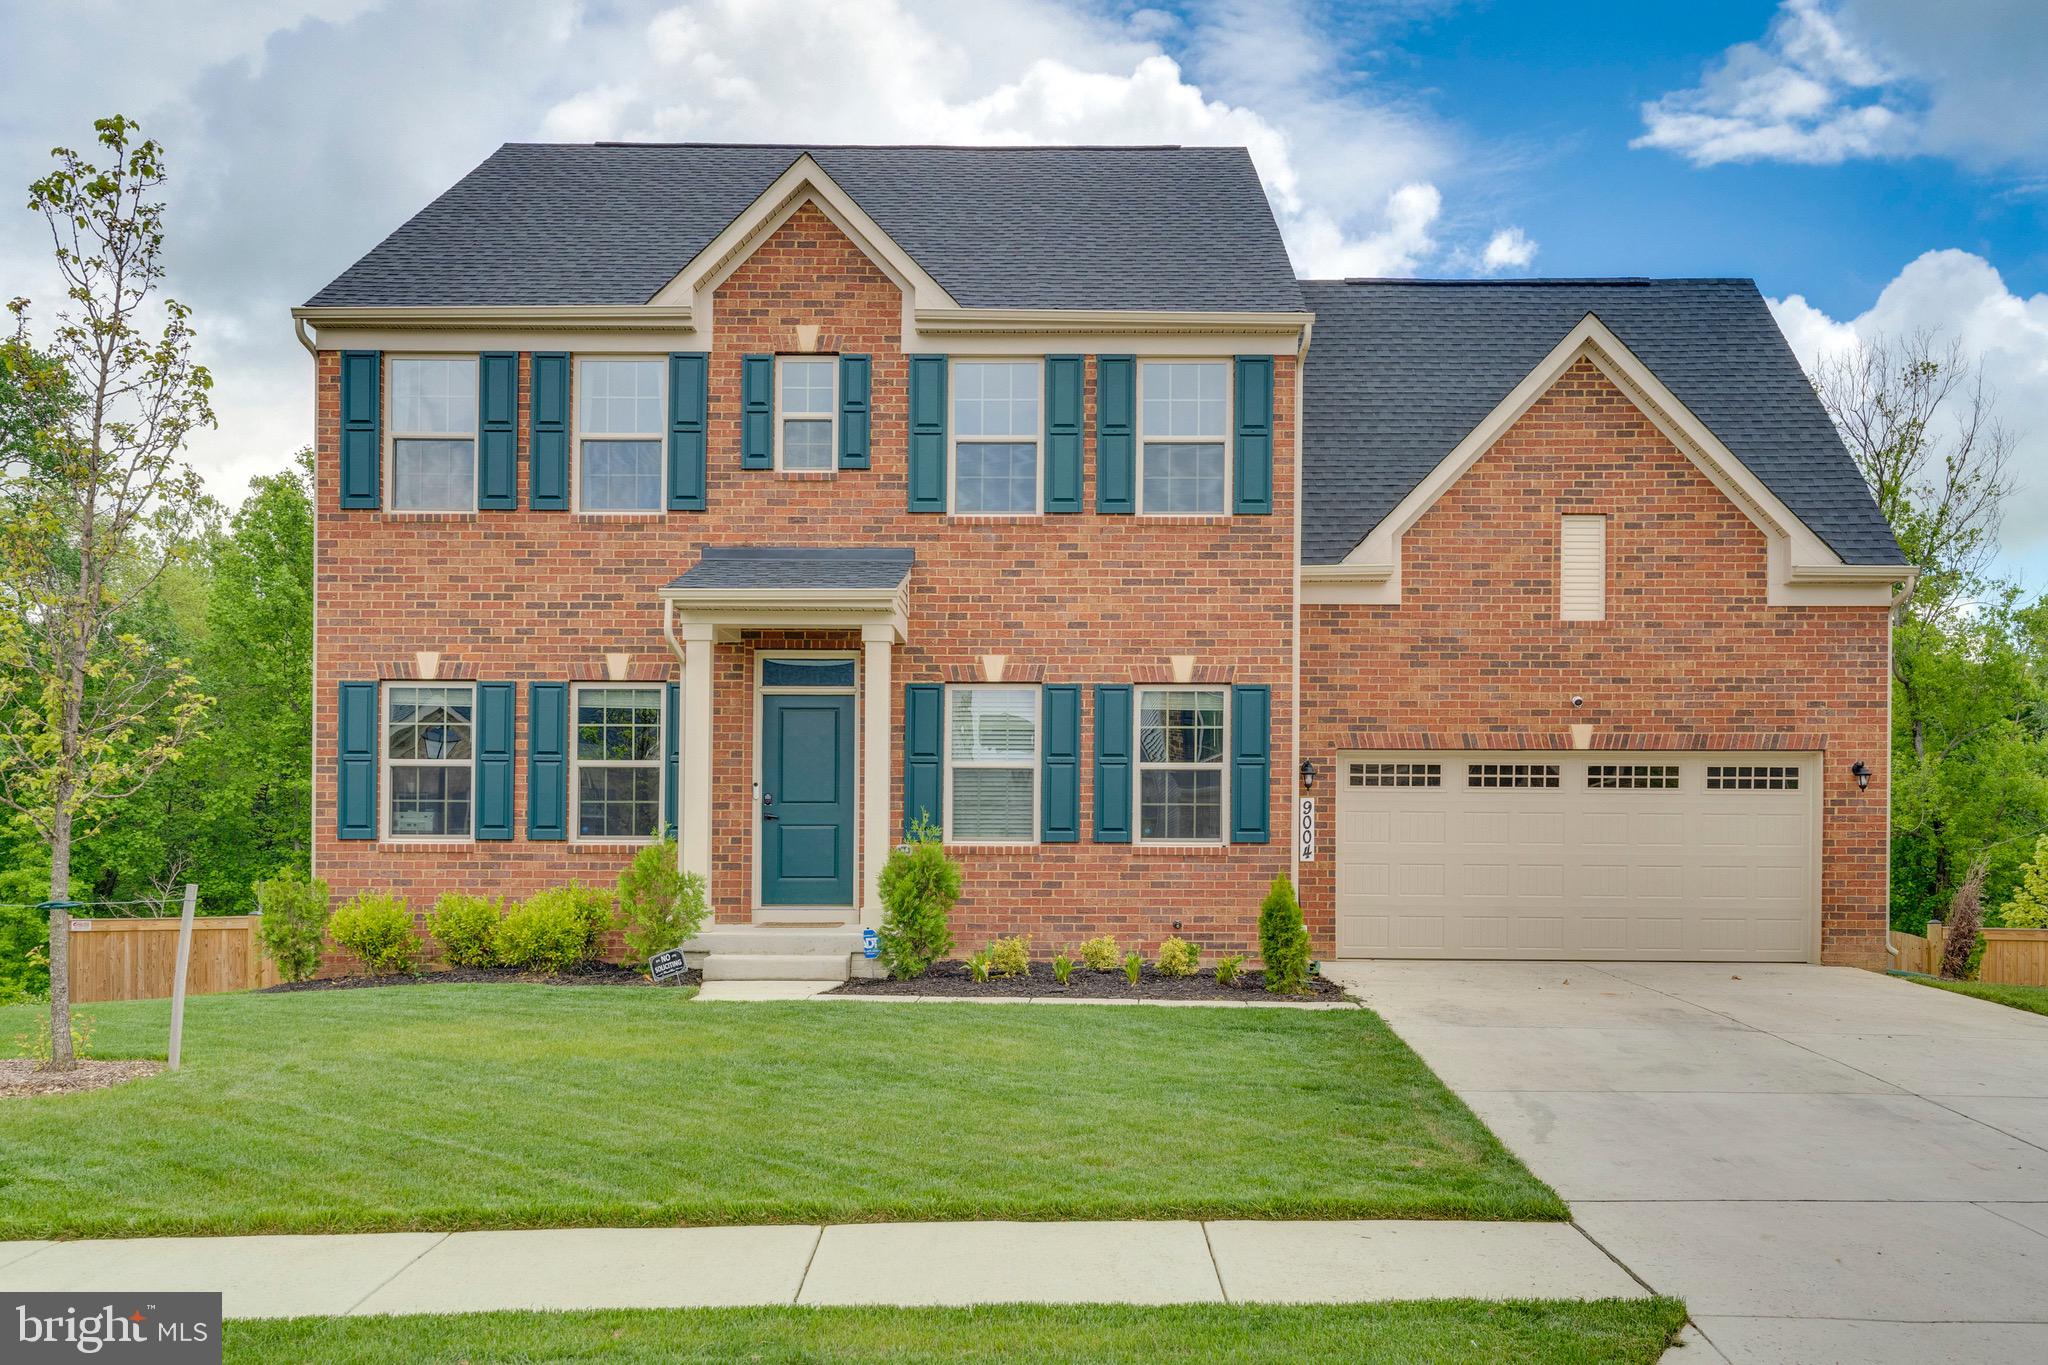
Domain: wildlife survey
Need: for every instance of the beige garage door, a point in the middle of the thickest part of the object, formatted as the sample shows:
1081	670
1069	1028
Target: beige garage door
1577	855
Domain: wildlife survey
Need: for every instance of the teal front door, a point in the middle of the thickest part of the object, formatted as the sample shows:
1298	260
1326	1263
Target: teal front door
807	799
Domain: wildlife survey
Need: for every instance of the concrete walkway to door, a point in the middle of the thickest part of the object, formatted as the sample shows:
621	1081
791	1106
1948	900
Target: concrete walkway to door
1826	1164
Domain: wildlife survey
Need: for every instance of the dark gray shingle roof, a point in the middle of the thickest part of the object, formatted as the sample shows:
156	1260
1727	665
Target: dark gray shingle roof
1168	228
797	567
1399	371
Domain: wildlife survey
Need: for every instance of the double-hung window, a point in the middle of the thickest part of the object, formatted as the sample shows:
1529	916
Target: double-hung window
1184	416
995	435
618	762
433	435
1180	764
992	765
807	409
619	424
429	754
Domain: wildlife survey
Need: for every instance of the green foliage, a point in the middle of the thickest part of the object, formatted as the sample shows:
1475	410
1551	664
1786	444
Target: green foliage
1178	957
1062	966
1101	954
550	933
920	886
1283	939
295	913
1229	969
2028	908
1009	956
660	905
35	1044
1134	967
466	927
588	907
378	929
980	965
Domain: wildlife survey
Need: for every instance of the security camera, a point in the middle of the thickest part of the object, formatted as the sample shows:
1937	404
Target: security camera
1578	702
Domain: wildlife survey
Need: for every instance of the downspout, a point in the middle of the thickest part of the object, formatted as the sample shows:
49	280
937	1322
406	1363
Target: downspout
313	654
1292	779
299	326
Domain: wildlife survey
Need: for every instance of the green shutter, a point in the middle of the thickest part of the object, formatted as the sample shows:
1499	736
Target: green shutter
497	431
547	760
547	453
1059	785
1063	433
355	779
672	761
1254	407
924	766
1113	764
1251	764
362	441
853	411
1116	462
928	433
689	400
495	703
757	412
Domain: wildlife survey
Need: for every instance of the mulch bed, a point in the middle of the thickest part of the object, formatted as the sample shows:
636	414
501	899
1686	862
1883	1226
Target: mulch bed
590	974
951	978
21	1076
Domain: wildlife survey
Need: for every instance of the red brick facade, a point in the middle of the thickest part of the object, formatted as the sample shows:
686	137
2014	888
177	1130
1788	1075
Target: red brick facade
1689	655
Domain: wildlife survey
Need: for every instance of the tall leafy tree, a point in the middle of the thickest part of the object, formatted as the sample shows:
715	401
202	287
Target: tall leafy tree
89	711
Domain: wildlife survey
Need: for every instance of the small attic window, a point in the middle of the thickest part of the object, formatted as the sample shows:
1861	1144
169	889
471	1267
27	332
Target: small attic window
1582	568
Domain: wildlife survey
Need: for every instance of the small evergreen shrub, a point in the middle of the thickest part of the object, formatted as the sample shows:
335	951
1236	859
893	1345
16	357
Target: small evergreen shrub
1178	957
466	927
1062	966
1229	969
919	886
1101	954
589	906
2028	908
1134	967
660	905
295	911
980	965
1009	956
378	929
1283	939
547	934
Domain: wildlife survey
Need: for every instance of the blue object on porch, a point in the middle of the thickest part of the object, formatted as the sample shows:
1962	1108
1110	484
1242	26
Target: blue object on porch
870	944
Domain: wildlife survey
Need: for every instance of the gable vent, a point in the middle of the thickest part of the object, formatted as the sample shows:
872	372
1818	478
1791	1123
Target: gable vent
1582	569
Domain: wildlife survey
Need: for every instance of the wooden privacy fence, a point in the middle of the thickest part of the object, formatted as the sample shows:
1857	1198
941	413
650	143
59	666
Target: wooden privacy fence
135	959
2012	957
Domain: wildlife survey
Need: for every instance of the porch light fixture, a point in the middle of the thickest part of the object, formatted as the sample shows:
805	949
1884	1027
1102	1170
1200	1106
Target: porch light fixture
1861	770
1308	774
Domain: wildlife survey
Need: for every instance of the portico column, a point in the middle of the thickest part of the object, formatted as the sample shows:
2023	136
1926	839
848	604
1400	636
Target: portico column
877	729
694	841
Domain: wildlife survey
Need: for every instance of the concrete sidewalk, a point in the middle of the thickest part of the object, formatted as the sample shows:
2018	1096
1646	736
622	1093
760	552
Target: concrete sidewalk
867	1263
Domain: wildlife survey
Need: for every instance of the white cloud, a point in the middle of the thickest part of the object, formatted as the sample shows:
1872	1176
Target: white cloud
1840	80
1509	249
1961	296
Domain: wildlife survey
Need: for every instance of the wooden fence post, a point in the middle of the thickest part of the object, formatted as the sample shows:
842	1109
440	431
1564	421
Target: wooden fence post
184	964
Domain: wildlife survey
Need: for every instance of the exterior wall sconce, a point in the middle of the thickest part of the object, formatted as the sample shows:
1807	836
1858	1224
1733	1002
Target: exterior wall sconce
1308	774
1861	770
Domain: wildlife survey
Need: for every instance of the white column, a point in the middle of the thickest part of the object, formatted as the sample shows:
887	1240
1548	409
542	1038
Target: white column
694	835
877	729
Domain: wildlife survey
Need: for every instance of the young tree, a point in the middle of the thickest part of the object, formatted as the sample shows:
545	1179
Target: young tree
98	506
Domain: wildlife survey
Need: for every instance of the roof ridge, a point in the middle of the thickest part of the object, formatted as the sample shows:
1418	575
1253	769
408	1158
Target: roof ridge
906	146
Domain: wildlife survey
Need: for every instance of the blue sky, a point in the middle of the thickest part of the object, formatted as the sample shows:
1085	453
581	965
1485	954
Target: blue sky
1878	166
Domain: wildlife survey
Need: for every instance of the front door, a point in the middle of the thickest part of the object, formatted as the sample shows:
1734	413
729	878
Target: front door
807	799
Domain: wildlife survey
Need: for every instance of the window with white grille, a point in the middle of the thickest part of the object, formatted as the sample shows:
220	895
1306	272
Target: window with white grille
1511	774
1633	776
1582	568
1743	777
1397	775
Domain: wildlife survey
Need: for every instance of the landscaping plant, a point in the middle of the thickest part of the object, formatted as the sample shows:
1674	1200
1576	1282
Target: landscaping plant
1965	918
660	905
1009	956
1134	966
1062	966
919	886
35	1045
1228	969
1283	939
1178	957
294	922
1101	954
378	929
466	927
2028	908
547	934
980	965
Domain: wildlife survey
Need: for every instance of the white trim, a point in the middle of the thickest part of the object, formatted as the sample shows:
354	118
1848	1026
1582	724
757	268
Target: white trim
1226	440
662	817
577	436
1139	766
830	360
392	436
762	910
953	439
386	826
1036	763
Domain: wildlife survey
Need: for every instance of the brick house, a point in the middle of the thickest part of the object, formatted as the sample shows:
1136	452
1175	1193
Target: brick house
779	495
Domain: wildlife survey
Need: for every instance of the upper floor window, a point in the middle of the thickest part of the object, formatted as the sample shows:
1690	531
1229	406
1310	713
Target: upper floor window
995	435
620	416
807	409
1180	764
1184	425
618	762
429	755
992	764
433	435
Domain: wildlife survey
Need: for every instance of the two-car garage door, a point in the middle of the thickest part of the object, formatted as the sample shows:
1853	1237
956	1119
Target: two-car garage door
1577	854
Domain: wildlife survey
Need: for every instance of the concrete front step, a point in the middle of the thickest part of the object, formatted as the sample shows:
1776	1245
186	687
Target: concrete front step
778	940
724	966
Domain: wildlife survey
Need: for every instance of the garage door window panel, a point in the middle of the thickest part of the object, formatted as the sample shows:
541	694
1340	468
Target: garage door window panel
1747	777
1632	776
1397	774
1511	774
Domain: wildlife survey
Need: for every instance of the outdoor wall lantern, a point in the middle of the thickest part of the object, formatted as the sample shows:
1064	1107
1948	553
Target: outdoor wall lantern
1862	773
1308	774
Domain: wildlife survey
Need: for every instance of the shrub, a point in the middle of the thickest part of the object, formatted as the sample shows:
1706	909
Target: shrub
1062	967
1283	939
1134	966
35	1045
1009	956
660	905
466	927
1101	954
979	965
1178	957
378	929
2028	908
1965	917
1229	969
294	922
588	906
547	934
919	886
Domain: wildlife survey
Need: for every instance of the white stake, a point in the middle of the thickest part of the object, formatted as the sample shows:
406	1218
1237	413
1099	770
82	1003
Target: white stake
178	981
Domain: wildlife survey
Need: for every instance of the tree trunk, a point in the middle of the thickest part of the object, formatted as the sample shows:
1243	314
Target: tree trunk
60	941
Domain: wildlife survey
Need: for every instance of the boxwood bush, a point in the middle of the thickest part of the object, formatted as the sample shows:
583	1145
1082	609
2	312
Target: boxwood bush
547	934
466	927
377	928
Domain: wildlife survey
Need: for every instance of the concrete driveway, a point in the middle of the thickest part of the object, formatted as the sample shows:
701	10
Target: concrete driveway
1826	1164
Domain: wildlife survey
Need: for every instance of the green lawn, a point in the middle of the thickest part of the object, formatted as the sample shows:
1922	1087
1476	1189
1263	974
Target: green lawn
1596	1333
472	1106
2030	998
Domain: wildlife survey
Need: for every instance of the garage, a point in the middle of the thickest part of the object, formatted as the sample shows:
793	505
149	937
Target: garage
1578	854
